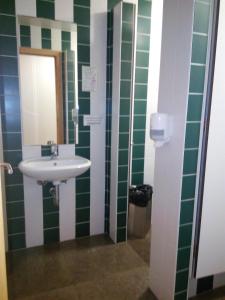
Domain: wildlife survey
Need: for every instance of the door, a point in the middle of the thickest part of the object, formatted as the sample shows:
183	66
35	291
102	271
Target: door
211	254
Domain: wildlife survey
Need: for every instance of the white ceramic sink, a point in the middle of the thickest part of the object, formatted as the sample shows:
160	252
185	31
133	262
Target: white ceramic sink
54	170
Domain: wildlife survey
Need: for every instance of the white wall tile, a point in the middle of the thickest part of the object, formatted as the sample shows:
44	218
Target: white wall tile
33	203
35	34
56	39
64	10
26	7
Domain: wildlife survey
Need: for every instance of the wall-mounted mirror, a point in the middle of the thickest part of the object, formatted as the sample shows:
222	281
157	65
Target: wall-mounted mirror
48	81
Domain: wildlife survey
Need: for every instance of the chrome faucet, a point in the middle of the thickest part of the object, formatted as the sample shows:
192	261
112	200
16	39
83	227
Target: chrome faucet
7	166
54	149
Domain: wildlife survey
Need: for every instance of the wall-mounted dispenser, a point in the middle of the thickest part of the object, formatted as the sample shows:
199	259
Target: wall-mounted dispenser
160	128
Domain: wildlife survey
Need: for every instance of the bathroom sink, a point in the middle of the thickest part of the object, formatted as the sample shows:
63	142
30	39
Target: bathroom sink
54	170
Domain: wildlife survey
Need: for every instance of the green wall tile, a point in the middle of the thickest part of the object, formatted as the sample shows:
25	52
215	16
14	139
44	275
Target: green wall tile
143	25
51	220
144	8
112	3
15	209
137	165
84	139
121	220
126	51
8	66
16	226
16	241
123	140
7	25
142	59
197	79
122	173
139	122
46	33
141	91
201	17
82	215
25	41
82	200
139	137
82	230
10	104
124	107
82	185
190	161
49	206
14	193
51	235
128	12
83	35
124	124
143	42
140	107
121	235
10	86
125	89
125	70
183	258
82	2
12	141
45	9
186	213
122	189
15	178
127	32
141	75
194	108
181	281
123	157
83	53
138	151
11	123
181	296
13	157
199	49
82	15
85	152
188	187
46	44
137	178
8	45
25	30
122	204
7	7
185	235
192	135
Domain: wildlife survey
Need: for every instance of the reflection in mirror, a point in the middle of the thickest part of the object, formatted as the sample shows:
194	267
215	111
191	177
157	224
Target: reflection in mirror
48	81
41	94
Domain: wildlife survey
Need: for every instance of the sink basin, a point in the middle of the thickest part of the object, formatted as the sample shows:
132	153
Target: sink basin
54	170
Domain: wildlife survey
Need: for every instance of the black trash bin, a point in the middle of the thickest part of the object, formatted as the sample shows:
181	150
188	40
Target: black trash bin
139	210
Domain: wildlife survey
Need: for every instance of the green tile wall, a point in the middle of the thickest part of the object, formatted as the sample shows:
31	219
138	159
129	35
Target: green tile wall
10	118
193	124
109	70
82	18
140	99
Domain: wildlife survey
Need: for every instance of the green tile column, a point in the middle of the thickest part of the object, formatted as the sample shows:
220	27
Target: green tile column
82	18
11	126
141	86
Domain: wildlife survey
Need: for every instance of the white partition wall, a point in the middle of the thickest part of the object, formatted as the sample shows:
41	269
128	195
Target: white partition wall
211	256
172	99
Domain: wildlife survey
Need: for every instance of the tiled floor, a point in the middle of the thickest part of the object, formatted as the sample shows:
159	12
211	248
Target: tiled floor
91	268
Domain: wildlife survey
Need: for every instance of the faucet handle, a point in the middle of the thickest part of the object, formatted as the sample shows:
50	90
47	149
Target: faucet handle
8	167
